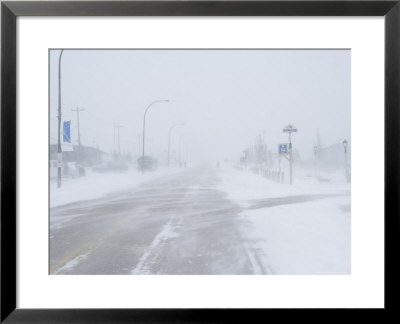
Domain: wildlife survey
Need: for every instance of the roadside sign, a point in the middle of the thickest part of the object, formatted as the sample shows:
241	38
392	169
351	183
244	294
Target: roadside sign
283	148
290	130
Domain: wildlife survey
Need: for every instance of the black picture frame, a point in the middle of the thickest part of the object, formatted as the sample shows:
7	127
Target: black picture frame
10	10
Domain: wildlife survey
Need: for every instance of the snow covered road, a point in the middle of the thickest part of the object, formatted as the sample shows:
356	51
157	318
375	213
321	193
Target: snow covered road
179	224
191	223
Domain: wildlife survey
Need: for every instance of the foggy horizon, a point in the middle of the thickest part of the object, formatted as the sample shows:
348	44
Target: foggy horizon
225	98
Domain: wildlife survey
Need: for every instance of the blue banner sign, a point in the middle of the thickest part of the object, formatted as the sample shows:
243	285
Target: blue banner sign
67	131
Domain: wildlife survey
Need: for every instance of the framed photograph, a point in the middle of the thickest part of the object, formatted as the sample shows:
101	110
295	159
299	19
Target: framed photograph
198	161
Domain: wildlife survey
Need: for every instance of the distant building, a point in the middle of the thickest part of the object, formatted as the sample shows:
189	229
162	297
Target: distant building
85	155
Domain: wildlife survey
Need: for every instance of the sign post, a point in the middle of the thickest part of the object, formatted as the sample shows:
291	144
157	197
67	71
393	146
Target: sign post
290	129
59	160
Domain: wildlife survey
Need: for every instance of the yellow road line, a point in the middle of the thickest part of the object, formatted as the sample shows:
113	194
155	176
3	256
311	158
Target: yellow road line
71	255
81	257
74	253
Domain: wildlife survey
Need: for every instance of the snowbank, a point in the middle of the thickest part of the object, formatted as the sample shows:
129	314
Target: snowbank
244	185
96	185
308	237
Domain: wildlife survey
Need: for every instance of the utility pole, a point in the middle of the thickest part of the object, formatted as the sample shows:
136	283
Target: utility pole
117	127
179	147
345	143
315	159
59	150
78	123
291	158
138	144
78	110
114	153
169	140
144	129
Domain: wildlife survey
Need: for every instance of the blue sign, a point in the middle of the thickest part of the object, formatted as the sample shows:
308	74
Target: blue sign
282	148
67	131
290	130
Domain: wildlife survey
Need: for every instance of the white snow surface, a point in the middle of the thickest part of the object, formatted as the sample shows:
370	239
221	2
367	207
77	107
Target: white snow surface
311	237
96	185
300	237
244	185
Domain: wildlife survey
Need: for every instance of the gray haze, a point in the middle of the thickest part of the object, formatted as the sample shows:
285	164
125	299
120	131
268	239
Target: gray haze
225	98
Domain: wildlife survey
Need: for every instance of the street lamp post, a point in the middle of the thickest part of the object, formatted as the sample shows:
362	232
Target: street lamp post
169	139
59	150
291	157
139	144
144	128
345	143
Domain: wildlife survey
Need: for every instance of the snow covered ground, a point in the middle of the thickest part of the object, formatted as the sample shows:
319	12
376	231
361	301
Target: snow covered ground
96	185
298	229
231	221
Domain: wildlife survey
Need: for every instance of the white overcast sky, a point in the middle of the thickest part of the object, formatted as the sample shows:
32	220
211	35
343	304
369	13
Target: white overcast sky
225	98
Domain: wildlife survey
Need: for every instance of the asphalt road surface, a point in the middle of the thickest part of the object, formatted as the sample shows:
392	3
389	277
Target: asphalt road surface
179	224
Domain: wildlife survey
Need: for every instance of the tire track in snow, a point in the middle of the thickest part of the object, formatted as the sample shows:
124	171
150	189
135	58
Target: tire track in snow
149	257
256	257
